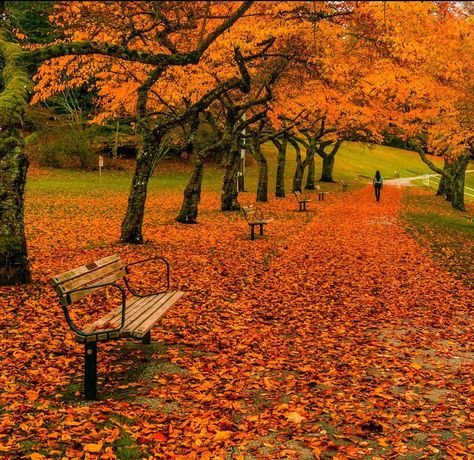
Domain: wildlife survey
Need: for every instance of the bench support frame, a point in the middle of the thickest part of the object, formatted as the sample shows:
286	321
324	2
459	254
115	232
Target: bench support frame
90	370
252	230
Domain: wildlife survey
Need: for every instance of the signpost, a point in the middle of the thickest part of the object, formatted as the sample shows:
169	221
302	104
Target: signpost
101	165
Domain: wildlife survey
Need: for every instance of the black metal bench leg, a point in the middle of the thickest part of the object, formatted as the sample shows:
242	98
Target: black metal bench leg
146	339
252	232
261	229
90	371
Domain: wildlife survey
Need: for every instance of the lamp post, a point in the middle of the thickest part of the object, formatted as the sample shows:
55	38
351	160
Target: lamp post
241	174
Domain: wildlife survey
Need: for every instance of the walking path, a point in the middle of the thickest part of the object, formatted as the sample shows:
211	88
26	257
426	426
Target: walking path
352	340
408	181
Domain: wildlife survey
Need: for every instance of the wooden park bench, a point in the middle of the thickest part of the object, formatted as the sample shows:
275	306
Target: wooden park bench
321	193
344	185
254	216
133	318
301	199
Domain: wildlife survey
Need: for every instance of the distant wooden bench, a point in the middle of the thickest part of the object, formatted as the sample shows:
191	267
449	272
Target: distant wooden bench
301	199
344	185
321	193
254	216
134	318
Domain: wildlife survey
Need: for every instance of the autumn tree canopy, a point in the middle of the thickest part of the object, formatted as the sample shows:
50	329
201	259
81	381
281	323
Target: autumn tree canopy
347	71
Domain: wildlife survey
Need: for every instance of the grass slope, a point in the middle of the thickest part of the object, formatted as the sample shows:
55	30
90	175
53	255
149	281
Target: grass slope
448	234
355	162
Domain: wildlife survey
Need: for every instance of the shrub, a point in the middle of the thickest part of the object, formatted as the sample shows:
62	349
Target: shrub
65	148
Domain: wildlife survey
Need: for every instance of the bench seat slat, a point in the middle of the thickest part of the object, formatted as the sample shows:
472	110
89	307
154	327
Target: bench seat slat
142	328
146	306
258	222
115	316
139	317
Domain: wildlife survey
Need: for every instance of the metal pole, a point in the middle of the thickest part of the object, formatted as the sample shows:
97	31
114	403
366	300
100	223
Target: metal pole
241	179
101	163
90	371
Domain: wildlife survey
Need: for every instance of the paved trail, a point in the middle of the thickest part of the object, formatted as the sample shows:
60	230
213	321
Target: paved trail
409	181
353	341
378	337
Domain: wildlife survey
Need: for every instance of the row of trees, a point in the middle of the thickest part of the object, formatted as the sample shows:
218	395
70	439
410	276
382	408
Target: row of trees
304	74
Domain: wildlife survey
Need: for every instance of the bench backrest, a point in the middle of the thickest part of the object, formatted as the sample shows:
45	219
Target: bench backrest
252	214
106	270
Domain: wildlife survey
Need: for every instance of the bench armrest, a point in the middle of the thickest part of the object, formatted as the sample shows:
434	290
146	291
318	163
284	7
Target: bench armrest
127	271
95	286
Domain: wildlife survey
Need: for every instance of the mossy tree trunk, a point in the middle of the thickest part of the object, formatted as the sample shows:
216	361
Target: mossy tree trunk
281	145
443	186
255	146
454	174
310	179
14	98
328	160
300	167
229	197
458	173
262	186
192	193
146	159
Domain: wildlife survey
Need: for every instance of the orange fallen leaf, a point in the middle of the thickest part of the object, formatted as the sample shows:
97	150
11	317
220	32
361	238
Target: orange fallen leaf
93	448
159	436
36	456
222	435
294	417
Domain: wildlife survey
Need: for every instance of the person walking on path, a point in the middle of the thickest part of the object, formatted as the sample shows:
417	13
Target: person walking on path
378	184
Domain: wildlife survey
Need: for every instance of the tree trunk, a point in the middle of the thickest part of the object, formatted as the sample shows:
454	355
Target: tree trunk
328	160
14	267
311	169
441	187
262	186
327	169
280	174
300	166
229	195
192	194
133	220
14	99
458	171
444	188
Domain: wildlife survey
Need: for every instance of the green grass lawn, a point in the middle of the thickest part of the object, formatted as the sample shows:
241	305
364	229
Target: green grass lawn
449	234
355	162
469	183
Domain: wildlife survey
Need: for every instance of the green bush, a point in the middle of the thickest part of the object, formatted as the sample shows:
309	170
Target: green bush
65	148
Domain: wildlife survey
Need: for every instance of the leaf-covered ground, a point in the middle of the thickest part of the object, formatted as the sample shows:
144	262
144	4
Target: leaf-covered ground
334	336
